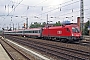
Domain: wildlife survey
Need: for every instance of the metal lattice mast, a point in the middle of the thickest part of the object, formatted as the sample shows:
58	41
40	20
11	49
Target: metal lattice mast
81	15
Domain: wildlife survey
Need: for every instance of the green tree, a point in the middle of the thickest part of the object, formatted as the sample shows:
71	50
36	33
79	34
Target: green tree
85	31
35	25
57	24
43	24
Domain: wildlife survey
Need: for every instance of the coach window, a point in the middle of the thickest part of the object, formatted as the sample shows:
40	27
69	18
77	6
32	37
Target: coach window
20	31
29	31
36	31
25	31
33	31
39	31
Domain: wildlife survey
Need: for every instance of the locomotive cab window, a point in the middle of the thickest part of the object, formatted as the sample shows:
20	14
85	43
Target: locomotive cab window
75	30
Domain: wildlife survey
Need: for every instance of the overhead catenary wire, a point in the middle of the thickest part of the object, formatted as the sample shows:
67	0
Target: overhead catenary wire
58	8
50	10
13	9
47	6
63	5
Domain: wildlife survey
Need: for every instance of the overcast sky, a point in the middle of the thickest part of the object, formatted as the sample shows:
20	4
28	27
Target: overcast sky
60	9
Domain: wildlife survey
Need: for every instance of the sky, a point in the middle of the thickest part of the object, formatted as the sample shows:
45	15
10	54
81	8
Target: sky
16	11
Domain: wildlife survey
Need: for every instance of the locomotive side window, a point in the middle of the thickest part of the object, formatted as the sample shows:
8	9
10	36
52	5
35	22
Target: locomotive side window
68	29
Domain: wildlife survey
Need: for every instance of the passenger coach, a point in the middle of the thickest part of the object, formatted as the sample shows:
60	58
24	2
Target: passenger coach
34	32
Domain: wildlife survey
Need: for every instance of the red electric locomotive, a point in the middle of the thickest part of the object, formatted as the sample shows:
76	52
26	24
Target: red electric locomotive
63	33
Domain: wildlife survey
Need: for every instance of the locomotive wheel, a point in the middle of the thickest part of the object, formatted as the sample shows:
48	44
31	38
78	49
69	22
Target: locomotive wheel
57	39
69	41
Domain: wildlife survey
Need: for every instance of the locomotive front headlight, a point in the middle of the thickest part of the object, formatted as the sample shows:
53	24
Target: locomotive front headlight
80	34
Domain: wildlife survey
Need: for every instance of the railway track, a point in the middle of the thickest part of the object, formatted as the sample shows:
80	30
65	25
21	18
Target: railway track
15	53
57	52
83	43
87	38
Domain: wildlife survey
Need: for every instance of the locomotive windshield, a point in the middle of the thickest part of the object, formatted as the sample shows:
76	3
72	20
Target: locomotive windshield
75	30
